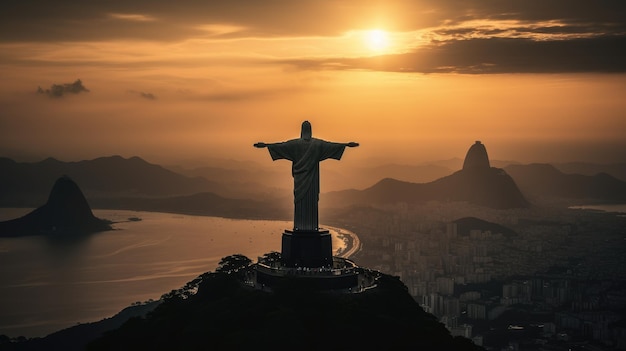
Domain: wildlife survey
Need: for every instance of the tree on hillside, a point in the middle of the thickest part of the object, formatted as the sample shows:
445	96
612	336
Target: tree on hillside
233	263
270	257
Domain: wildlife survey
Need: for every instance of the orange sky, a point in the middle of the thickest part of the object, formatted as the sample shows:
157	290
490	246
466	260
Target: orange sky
177	81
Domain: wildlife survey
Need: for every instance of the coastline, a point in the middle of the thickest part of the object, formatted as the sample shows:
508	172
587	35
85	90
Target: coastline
619	209
350	239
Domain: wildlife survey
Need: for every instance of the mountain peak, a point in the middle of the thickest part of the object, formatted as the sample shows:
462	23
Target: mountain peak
50	160
67	210
67	195
476	157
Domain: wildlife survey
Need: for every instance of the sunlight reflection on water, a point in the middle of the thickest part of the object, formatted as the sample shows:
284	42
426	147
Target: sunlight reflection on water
47	286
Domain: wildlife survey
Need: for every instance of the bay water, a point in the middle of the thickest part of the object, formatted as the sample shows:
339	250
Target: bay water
47	285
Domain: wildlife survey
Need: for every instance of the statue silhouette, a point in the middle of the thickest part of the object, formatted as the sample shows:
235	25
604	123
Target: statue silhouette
305	153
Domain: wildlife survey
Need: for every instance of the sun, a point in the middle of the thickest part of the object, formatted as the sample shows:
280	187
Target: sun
377	39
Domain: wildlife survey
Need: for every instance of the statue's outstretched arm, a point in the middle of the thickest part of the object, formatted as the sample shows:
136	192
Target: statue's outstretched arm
351	144
261	144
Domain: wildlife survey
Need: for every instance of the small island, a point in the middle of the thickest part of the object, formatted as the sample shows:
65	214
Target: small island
65	213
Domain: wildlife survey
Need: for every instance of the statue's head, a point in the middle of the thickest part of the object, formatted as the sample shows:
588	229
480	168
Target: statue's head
306	132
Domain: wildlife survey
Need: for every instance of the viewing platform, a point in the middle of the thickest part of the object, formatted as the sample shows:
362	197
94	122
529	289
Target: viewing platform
343	276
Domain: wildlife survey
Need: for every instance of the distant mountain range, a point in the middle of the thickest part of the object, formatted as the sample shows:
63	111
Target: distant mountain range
617	170
546	181
276	177
26	184
228	189
511	187
477	183
491	188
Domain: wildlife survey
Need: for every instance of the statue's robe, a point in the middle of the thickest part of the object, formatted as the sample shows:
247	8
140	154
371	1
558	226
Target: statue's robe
305	155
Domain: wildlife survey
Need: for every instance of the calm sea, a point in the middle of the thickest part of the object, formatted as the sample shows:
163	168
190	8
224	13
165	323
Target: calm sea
48	285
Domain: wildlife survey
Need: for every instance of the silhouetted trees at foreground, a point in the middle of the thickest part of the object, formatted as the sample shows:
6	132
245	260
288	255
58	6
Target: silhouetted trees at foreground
225	314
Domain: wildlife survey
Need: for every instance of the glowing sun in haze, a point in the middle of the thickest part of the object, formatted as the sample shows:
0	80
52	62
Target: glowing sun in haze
377	39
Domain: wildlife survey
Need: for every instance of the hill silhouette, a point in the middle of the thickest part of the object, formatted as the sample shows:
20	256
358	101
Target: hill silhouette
25	184
476	157
490	187
617	170
476	183
259	180
77	337
66	211
546	181
225	315
132	183
217	311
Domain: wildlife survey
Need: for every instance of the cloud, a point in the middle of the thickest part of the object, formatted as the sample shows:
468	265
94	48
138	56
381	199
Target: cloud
148	96
495	55
536	30
58	90
132	17
64	20
476	31
143	94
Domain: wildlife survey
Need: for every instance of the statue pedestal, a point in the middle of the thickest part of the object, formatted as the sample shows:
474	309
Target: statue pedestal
307	248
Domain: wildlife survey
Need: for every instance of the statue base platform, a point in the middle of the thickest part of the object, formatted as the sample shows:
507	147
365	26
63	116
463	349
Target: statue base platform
342	276
307	248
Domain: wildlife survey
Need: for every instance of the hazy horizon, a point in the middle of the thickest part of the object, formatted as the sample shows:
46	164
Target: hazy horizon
261	159
411	81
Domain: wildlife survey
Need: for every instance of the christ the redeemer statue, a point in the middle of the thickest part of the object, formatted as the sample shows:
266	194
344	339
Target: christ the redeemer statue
305	153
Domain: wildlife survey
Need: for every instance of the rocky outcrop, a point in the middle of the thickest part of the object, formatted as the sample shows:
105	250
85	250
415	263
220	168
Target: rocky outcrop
476	157
65	212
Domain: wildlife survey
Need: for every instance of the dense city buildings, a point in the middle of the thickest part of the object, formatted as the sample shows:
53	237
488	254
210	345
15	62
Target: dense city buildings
539	278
